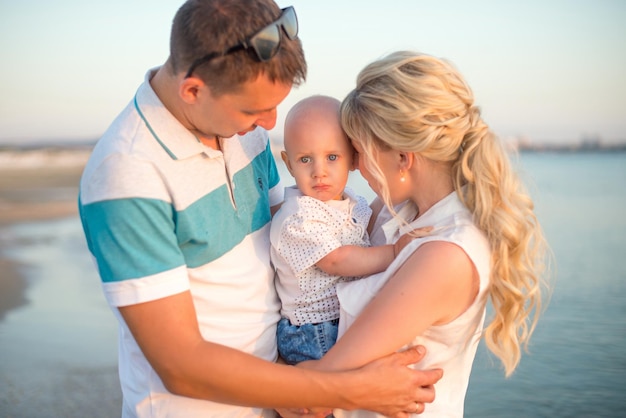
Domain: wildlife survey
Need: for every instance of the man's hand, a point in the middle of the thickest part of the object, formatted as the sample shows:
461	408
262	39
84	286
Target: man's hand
386	386
395	390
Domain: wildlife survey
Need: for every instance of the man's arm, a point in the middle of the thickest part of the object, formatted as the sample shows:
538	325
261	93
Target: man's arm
168	334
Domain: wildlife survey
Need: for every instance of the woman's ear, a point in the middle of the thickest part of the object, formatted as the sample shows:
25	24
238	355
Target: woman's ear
406	160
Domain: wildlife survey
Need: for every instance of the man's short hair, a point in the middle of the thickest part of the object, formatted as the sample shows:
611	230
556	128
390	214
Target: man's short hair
201	27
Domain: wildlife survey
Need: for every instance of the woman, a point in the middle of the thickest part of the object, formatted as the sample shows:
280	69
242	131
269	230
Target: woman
424	149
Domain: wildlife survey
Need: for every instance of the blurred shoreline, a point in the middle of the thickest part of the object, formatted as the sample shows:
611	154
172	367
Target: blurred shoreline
54	363
32	193
58	338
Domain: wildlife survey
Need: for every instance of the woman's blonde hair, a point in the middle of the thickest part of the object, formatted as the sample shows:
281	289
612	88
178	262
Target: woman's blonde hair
417	103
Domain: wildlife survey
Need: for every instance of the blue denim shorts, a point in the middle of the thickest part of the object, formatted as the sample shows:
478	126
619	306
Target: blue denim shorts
305	342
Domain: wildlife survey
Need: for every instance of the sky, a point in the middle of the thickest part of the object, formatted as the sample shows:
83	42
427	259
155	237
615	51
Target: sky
541	70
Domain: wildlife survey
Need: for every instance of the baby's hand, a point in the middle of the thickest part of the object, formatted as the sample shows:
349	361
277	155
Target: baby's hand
404	240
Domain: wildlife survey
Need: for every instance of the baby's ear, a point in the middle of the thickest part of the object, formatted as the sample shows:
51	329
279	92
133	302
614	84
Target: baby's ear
355	158
283	155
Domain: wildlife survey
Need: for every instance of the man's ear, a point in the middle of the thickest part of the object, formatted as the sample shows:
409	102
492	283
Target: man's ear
283	155
189	88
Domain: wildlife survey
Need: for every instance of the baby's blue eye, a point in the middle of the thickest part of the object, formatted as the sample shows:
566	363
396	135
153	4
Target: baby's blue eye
305	160
333	157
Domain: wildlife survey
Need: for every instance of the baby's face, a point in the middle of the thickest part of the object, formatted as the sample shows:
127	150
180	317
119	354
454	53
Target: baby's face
320	159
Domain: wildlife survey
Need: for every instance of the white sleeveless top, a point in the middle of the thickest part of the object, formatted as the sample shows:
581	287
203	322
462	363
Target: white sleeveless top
452	346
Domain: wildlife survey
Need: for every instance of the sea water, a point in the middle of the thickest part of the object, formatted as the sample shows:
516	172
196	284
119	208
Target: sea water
576	365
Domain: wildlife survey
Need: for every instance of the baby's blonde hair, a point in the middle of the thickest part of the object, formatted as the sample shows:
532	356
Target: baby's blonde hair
417	103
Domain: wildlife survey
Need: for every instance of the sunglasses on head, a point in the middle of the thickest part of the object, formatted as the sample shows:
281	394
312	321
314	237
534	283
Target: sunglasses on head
264	43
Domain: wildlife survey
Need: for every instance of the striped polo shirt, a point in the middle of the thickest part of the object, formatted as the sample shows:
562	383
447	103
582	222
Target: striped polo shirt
163	214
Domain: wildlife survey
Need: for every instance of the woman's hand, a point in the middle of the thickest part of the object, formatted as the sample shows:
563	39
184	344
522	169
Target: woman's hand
304	413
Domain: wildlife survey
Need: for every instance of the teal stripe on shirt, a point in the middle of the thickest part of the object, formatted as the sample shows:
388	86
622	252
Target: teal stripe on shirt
137	237
130	238
274	177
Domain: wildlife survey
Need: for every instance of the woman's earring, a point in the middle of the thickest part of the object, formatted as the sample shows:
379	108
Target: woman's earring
402	179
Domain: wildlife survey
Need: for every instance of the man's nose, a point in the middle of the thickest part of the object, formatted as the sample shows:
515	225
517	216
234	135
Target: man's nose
267	120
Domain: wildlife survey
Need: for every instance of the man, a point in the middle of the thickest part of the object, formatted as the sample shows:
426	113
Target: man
175	204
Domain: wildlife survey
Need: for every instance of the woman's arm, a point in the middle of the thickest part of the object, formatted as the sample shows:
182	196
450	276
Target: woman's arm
436	284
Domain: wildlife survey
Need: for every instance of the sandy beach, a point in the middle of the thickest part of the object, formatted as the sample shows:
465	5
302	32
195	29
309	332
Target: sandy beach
58	353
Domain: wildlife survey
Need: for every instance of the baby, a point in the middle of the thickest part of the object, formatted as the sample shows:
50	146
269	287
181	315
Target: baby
319	236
